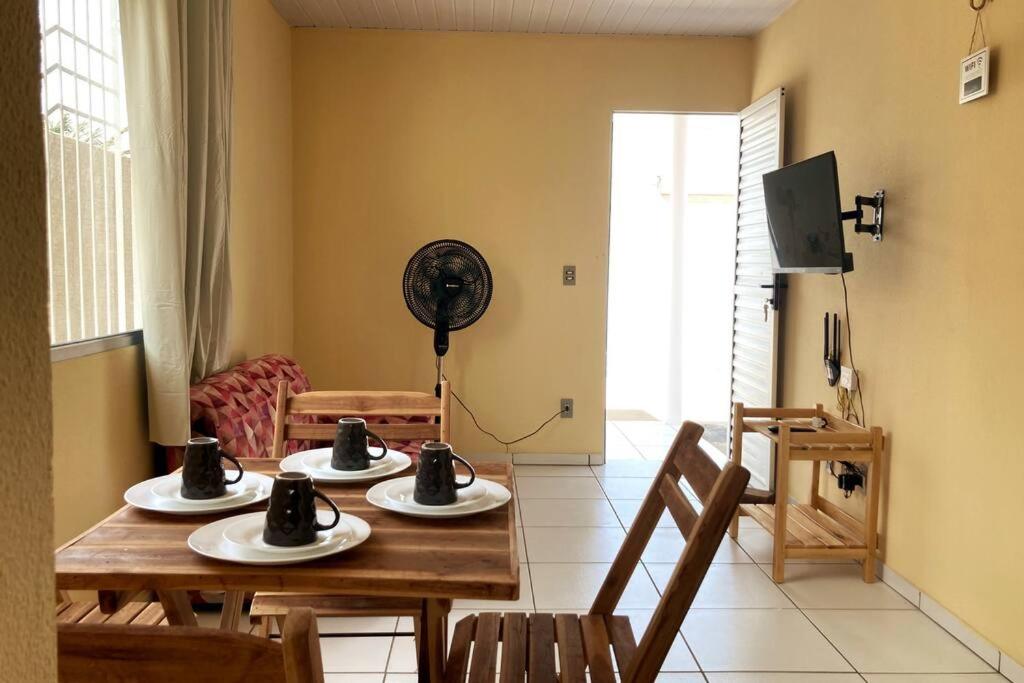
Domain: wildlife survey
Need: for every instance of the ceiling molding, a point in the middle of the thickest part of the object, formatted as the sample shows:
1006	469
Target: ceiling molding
587	17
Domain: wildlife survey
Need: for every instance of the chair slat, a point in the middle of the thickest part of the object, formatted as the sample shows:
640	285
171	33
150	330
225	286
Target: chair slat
572	658
513	648
719	508
458	653
413	431
623	642
485	649
364	403
698	468
643	526
597	646
95	616
76	611
678	506
86	655
152	615
542	649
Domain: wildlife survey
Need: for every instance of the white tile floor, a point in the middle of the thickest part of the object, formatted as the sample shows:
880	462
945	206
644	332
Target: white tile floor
823	625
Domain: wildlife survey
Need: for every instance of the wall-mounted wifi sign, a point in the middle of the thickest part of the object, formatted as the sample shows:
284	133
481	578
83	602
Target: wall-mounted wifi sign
974	70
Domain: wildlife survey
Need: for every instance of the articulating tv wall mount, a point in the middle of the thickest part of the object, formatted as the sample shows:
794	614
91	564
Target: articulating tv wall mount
874	228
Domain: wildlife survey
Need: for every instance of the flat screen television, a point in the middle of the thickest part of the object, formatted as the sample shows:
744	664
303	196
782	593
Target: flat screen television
805	218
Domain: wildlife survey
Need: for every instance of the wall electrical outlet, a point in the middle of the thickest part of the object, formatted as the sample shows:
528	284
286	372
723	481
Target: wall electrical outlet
848	379
566	407
569	276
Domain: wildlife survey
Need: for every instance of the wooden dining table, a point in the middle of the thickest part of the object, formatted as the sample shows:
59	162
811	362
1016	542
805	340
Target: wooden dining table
435	560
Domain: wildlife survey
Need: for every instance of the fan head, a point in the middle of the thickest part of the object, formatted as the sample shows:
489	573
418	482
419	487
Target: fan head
447	286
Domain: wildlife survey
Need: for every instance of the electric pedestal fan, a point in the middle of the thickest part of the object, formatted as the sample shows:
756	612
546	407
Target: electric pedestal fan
447	287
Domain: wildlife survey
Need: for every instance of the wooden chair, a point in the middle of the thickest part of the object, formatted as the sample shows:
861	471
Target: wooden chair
127	611
337	404
266	606
591	641
88	653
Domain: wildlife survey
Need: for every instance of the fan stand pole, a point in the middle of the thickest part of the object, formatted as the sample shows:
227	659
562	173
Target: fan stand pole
440	374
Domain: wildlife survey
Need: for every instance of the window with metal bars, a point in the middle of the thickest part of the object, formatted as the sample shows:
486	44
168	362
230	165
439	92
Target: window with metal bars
88	164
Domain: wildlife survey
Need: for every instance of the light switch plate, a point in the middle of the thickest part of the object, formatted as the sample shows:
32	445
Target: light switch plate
569	276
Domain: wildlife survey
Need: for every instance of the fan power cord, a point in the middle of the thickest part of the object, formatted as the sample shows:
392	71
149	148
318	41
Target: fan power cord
506	444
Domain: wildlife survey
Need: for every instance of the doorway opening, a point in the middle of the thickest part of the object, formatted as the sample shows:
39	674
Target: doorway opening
671	276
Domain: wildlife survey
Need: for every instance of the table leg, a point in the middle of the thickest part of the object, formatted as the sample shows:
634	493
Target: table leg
231	611
178	608
433	639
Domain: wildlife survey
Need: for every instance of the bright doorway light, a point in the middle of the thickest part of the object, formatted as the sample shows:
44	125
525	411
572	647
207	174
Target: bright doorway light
673	217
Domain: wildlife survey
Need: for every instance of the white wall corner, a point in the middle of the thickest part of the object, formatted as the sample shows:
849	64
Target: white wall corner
551	458
1011	668
598	459
961	631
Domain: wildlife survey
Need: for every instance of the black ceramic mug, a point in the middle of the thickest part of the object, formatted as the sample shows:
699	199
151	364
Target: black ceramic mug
435	475
202	472
291	515
351	447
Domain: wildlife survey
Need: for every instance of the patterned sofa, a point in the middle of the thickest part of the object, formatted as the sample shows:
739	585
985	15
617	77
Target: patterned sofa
237	407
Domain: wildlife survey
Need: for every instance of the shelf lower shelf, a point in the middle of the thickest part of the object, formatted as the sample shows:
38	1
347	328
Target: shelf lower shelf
808	527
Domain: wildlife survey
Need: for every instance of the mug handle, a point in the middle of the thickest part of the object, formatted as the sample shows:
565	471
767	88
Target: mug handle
317	526
237	465
383	445
472	472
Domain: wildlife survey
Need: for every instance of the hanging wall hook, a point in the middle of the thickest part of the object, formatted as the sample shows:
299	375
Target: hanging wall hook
979	6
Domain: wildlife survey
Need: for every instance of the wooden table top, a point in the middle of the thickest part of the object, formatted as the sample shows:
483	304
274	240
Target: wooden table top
470	557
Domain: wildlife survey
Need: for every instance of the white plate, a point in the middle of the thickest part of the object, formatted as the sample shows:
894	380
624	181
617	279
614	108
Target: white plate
246	532
400	491
163	494
396	495
210	541
169	488
317	464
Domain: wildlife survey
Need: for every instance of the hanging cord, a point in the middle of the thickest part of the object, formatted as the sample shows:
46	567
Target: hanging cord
862	417
506	444
977	23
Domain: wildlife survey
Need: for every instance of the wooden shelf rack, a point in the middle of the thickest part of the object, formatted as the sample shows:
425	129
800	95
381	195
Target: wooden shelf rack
820	529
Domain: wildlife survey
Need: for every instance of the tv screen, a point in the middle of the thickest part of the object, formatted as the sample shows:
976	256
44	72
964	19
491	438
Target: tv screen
805	218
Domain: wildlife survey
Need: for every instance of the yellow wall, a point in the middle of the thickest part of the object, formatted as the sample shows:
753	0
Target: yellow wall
502	140
28	645
936	307
100	441
261	182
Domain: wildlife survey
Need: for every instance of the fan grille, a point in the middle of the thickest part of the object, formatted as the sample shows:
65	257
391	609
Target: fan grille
441	261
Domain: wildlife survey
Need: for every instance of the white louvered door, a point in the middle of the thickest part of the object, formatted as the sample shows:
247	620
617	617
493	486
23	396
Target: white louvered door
755	322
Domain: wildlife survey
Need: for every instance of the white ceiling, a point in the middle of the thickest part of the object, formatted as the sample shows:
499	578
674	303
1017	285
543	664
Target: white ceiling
623	17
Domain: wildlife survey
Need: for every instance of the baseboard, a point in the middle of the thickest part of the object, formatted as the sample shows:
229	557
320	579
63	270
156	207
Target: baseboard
1011	668
551	458
974	641
487	457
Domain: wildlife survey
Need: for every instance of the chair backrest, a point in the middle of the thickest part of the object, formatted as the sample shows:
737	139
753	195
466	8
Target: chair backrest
362	404
164	654
719	491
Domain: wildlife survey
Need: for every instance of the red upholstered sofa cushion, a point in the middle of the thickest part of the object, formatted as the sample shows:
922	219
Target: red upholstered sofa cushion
237	407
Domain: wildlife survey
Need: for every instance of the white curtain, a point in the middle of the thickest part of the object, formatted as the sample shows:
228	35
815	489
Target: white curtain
177	62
